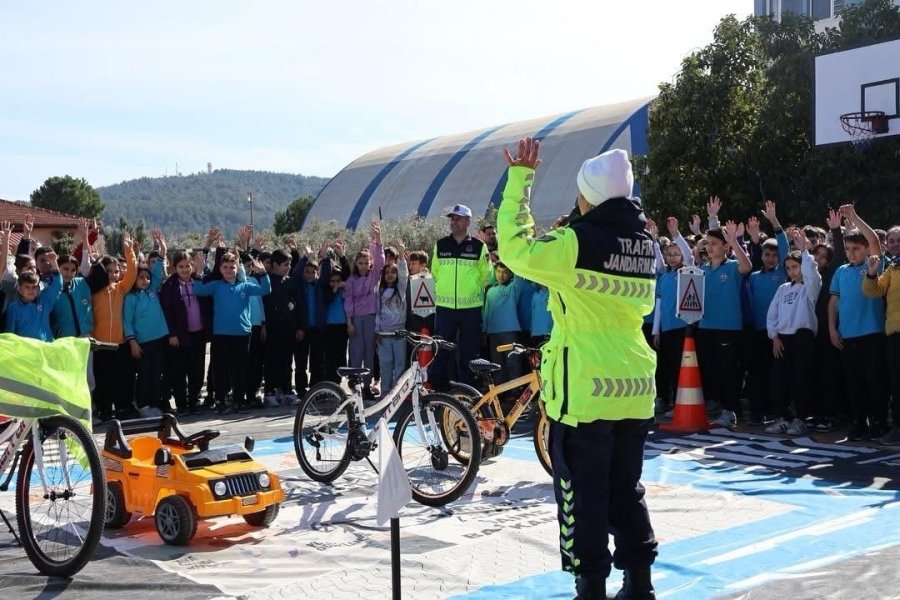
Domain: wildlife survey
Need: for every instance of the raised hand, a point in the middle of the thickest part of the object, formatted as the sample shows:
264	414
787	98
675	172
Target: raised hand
740	230
527	154
753	229
291	242
730	232
244	235
874	260
81	232
339	247
799	238
652	229
212	236
28	225
672	226
401	249
848	211
713	206
126	241
256	267
770	213
833	220
259	242
376	231
323	251
695	225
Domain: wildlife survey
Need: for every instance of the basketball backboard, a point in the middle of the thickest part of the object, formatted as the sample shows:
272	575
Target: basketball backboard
863	80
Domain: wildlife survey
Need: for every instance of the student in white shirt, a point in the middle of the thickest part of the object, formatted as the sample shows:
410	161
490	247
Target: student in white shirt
791	323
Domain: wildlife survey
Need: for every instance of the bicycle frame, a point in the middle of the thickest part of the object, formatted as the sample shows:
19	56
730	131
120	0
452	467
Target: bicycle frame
14	436
492	397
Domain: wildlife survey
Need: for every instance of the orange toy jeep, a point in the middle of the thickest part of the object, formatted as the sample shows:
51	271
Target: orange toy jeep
180	479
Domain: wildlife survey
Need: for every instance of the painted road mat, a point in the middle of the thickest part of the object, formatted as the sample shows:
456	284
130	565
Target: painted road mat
737	516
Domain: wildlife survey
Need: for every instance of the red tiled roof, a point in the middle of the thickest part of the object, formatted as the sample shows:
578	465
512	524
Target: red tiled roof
15	213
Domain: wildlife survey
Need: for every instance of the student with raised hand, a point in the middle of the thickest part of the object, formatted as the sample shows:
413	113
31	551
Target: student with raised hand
73	314
668	330
231	327
887	285
114	371
29	315
856	325
391	316
310	275
762	286
791	326
147	333
189	319
360	302
719	336
829	386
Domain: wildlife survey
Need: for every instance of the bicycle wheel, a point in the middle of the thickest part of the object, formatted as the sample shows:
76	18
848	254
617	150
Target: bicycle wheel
321	432
484	412
542	439
60	524
435	474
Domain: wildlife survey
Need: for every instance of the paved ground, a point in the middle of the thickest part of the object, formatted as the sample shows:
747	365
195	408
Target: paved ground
738	515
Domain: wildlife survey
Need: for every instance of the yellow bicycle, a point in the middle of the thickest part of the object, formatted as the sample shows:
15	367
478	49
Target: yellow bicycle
496	424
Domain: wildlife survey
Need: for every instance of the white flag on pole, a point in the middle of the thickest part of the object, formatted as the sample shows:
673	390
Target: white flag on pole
394	491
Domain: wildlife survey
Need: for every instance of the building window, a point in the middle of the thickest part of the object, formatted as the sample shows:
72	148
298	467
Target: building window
821	9
798	7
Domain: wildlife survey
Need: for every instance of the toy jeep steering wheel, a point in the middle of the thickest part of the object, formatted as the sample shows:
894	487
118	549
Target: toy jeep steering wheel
201	439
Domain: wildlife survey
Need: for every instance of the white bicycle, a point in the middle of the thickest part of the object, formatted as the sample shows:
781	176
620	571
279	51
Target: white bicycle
60	491
433	432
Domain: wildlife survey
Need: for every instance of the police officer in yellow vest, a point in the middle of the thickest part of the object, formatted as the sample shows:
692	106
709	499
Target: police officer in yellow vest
597	369
461	269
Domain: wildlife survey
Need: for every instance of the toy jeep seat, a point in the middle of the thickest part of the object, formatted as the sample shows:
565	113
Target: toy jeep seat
167	432
143	448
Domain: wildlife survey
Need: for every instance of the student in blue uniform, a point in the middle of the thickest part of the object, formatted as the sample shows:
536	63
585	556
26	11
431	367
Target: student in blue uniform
501	321
29	316
856	326
147	333
719	336
763	283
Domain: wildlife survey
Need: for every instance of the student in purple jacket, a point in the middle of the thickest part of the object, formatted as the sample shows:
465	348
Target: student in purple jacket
188	318
361	302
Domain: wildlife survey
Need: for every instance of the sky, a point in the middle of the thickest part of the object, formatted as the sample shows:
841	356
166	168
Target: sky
112	91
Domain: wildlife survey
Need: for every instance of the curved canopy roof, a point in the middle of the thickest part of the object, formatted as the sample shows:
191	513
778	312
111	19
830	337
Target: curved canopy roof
426	177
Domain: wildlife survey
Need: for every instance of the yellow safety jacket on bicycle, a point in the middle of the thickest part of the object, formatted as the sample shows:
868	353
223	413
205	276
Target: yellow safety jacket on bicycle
40	379
601	276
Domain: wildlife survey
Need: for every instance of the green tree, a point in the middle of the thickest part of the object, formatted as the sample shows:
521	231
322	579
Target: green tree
68	195
291	218
113	234
737	122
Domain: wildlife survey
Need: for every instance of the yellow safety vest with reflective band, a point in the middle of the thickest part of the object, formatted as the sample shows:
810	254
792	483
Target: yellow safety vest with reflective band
601	276
460	272
40	380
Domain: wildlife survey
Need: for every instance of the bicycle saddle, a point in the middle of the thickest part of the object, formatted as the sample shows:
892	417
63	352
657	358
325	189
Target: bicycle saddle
352	371
479	365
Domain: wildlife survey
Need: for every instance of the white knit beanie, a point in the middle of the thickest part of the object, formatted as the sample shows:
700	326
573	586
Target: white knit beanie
606	176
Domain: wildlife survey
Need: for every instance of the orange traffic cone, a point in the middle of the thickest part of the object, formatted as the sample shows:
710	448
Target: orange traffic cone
426	354
690	411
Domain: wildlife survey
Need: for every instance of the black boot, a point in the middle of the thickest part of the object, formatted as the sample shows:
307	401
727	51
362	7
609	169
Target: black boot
637	585
590	586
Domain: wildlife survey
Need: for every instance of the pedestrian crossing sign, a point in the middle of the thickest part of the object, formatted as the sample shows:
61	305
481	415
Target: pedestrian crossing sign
422	295
691	291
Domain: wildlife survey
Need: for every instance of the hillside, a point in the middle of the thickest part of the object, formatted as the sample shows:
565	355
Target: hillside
193	203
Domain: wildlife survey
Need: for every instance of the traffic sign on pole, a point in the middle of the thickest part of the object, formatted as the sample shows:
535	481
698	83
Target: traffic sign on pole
422	295
691	294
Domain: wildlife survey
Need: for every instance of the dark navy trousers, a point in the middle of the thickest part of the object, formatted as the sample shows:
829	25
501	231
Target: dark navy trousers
596	477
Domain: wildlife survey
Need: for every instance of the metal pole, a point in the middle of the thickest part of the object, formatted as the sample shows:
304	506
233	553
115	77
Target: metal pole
250	200
395	559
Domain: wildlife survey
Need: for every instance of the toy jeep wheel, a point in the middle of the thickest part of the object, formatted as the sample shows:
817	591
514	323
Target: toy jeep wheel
116	515
263	518
175	520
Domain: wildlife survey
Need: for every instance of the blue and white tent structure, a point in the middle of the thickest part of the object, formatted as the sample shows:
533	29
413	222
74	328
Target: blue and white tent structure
426	177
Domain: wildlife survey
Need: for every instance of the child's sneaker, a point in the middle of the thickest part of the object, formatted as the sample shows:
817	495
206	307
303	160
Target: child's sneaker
779	426
797	427
727	419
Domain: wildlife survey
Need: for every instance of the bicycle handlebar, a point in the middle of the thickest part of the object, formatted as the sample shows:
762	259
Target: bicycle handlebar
98	345
417	339
516	348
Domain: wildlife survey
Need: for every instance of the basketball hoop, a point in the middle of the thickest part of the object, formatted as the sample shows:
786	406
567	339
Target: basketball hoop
862	127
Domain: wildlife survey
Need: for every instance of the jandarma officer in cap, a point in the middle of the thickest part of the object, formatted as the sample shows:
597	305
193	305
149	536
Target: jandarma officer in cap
461	270
598	371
